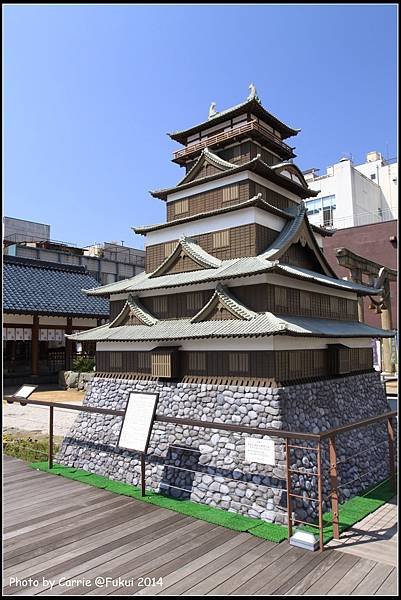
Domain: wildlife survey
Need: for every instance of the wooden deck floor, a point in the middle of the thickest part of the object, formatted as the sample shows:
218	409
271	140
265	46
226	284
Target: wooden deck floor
62	537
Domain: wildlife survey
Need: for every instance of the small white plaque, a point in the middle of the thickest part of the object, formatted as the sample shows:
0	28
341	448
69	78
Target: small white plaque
138	421
43	335
51	335
59	335
25	391
27	334
260	450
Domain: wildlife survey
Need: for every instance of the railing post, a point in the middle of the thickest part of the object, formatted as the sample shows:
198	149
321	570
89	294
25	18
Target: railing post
51	416
143	482
320	493
390	437
288	478
333	486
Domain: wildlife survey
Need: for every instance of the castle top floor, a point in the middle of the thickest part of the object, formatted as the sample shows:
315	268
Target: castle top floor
248	119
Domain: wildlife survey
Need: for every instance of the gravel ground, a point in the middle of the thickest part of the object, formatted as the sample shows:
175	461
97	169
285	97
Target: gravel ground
35	419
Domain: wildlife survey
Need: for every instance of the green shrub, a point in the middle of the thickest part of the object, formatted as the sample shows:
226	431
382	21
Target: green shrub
83	364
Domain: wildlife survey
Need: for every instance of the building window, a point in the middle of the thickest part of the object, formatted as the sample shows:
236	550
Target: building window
324	207
373	176
194	301
238	362
169	247
197	362
221	239
280	295
236	154
181	207
116	361
230	193
305	301
160	305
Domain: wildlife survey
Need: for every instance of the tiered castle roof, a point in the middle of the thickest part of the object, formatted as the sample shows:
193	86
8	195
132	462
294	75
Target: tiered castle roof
136	323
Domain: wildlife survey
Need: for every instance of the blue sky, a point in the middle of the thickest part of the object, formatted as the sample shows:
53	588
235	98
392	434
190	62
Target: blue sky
90	92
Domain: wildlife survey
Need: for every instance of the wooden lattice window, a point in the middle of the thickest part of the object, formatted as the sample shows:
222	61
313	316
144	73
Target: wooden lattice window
116	361
181	206
236	153
197	362
280	296
169	247
343	308
230	193
352	310
160	305
238	362
325	305
221	239
293	301
194	301
165	363
305	302
295	364
334	305
143	361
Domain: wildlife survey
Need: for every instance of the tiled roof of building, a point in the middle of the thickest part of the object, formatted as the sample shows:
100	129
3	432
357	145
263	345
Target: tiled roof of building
135	306
253	106
263	324
255	164
229	269
256	201
224	296
191	249
32	286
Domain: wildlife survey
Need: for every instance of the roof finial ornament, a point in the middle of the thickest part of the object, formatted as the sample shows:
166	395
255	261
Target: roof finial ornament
212	110
253	94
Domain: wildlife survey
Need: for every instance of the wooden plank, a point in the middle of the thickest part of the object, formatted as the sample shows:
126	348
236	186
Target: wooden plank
133	561
251	586
351	579
121	534
14	538
163	565
100	555
295	577
373	580
210	569
389	585
333	575
303	565
185	577
316	574
68	534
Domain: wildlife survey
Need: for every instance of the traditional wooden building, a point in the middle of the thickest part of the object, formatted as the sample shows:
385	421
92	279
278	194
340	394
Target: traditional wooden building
238	318
42	302
236	285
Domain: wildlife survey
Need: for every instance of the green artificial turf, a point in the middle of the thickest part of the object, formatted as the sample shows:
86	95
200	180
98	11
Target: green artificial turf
350	512
257	527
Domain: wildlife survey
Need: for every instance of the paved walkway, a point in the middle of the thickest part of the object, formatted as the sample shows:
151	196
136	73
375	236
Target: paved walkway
63	537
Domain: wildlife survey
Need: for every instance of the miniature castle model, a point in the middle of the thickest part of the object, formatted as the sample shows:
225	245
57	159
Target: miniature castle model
237	318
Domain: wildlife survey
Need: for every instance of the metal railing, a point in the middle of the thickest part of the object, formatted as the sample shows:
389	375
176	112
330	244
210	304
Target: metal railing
317	438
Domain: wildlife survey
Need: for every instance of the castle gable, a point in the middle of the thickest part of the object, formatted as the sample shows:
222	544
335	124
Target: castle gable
191	254
223	305
133	313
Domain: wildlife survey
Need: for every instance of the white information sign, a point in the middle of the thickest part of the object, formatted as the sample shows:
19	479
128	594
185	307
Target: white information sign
260	450
25	391
138	421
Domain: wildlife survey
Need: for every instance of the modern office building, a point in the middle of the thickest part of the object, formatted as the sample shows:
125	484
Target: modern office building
106	262
350	195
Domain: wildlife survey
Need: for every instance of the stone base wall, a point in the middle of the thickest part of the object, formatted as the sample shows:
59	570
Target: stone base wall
208	465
